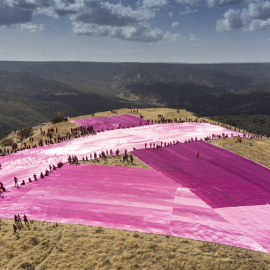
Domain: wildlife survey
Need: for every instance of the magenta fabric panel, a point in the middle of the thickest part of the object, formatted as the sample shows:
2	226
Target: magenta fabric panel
99	123
219	177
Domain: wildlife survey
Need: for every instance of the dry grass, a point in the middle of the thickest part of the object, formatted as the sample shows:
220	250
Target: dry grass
58	246
118	161
259	151
149	113
63	129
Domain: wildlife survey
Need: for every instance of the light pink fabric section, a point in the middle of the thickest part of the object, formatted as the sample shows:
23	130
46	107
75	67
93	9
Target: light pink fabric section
253	220
123	198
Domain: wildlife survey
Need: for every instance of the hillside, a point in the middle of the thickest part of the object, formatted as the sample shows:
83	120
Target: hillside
252	101
76	88
46	245
234	77
27	99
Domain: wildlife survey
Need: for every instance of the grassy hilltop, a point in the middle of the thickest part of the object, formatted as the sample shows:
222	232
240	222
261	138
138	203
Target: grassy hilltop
47	245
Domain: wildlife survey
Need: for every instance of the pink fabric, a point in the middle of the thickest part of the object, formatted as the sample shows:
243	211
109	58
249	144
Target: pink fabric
136	199
123	198
252	220
99	123
24	164
219	177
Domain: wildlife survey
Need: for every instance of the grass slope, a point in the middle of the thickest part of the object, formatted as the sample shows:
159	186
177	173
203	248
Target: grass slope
63	246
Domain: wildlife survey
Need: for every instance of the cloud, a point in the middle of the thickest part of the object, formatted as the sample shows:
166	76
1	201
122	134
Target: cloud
30	4
91	17
14	12
232	21
173	37
12	15
156	4
259	25
138	32
30	27
192	37
174	24
223	3
254	17
120	22
257	15
68	7
188	2
188	11
259	10
112	15
170	14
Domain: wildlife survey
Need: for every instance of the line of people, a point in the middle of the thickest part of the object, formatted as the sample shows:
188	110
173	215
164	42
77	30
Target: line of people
47	172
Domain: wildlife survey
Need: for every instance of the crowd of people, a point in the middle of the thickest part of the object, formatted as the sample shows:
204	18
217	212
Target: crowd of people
53	137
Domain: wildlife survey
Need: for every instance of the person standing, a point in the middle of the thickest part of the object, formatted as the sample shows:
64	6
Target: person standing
16	182
19	220
25	220
14	228
198	154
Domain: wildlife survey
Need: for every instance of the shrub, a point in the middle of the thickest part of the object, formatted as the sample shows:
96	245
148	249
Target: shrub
6	142
99	230
25	132
26	265
58	119
34	240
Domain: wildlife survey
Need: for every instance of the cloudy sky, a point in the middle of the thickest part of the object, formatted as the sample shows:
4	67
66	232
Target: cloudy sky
194	31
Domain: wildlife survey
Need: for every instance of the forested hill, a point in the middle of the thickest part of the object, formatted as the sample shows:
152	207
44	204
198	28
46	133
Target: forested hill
32	92
91	76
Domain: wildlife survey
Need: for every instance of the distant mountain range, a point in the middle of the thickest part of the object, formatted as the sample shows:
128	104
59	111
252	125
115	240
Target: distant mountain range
32	92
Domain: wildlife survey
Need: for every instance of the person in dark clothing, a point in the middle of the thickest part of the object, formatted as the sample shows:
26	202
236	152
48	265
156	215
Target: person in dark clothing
25	220
16	182
14	228
19	220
